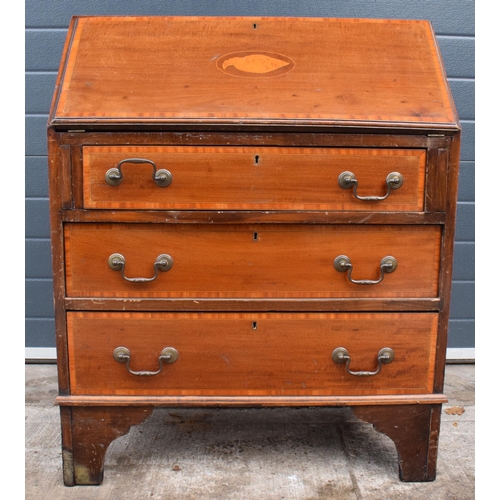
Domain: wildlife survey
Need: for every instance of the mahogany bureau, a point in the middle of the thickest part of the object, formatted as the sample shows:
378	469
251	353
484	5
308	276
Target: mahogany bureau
251	212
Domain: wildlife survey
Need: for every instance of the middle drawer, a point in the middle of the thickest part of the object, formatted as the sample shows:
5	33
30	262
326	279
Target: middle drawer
263	261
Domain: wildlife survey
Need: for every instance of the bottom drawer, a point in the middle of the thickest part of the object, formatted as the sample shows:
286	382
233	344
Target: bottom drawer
250	354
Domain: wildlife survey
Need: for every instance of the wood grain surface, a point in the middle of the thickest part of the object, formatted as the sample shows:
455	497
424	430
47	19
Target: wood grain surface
206	69
251	353
271	261
239	178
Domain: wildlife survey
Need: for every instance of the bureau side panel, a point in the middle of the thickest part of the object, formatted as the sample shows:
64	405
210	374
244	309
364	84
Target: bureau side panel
447	259
59	193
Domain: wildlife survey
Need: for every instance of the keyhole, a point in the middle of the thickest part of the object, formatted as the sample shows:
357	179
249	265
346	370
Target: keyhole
254	26
254	325
255	236
257	159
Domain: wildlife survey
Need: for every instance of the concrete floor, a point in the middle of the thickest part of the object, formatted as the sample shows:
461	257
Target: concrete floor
246	454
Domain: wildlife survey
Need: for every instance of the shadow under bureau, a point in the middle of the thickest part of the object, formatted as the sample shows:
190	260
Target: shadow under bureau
251	212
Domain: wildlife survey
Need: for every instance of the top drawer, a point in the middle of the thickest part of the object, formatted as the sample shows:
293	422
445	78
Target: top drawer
246	178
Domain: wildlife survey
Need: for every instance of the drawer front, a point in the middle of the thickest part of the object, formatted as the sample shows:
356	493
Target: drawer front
236	178
263	261
250	354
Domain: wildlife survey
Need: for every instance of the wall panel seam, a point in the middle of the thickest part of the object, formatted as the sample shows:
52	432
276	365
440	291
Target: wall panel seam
455	36
45	29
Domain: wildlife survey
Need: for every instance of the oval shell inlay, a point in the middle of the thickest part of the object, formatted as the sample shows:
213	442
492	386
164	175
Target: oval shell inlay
255	64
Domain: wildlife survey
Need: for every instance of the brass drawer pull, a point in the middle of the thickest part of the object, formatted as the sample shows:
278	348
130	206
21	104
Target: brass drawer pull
341	355
387	265
163	262
168	355
347	180
114	176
